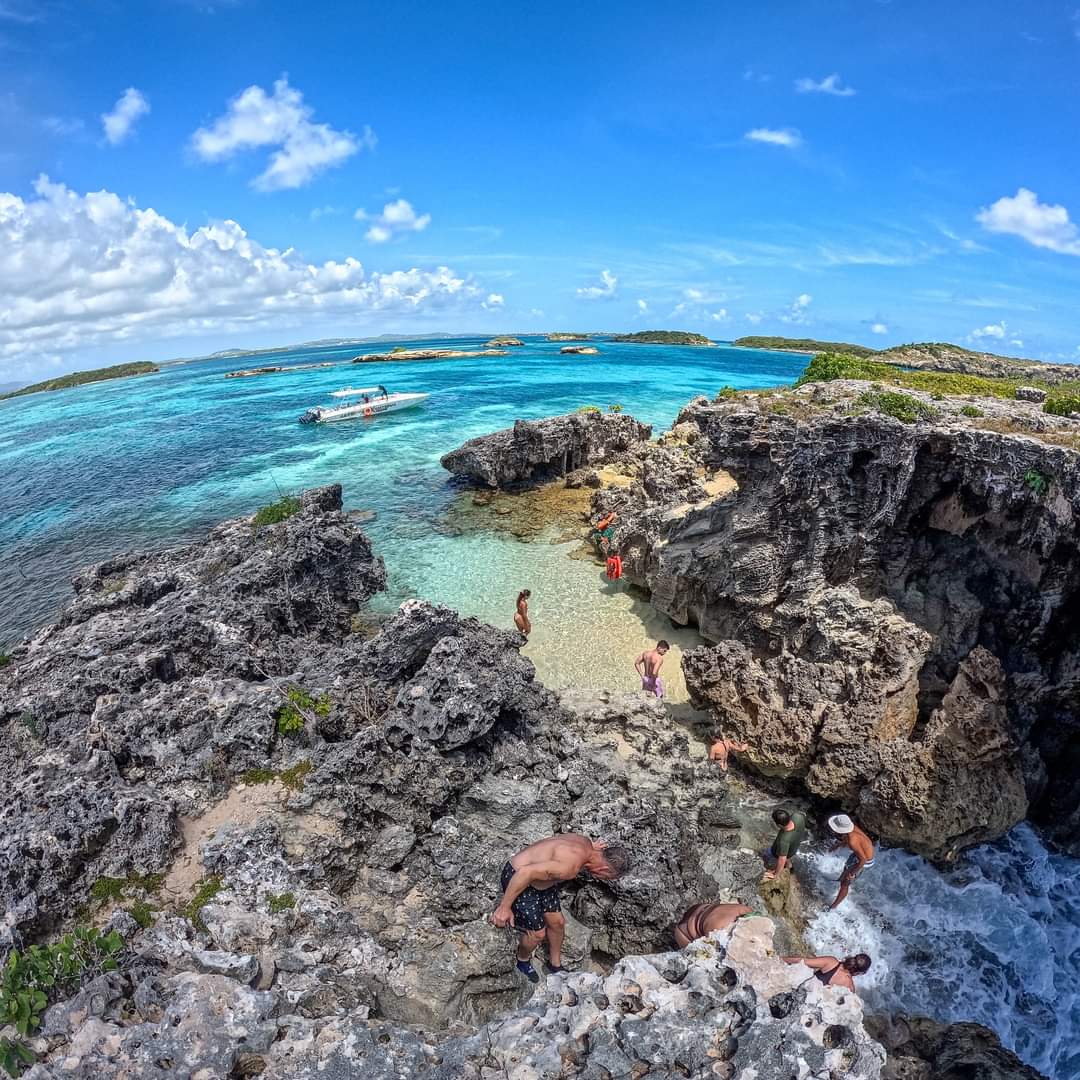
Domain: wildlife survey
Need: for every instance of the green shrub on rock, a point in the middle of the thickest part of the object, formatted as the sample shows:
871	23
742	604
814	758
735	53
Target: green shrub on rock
1062	403
971	410
589	410
284	508
901	407
292	716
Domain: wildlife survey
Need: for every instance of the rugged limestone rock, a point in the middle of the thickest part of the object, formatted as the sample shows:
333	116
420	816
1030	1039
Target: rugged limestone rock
894	604
944	357
504	342
329	880
921	1049
579	350
725	1006
537	450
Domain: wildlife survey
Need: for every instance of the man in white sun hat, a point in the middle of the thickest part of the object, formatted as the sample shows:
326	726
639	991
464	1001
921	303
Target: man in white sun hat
862	852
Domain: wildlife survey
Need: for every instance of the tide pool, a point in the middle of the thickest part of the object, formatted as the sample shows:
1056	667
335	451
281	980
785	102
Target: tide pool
155	460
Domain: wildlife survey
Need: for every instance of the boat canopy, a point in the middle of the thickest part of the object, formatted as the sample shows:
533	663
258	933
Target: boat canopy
364	390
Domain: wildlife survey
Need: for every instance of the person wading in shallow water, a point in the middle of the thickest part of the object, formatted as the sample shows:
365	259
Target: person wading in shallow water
721	749
833	972
703	919
531	901
862	852
648	665
521	615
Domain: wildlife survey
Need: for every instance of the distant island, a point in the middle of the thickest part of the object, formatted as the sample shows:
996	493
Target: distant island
568	337
663	337
504	342
807	345
81	378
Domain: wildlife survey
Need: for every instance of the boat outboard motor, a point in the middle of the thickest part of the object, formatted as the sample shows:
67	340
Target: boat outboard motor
311	416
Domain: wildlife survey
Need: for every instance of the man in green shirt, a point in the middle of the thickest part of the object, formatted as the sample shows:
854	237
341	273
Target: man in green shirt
792	825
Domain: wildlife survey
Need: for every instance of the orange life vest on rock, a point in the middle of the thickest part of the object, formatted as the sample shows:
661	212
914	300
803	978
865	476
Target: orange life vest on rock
614	567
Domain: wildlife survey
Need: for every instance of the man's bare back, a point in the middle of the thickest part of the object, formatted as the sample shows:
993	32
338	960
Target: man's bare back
652	661
559	858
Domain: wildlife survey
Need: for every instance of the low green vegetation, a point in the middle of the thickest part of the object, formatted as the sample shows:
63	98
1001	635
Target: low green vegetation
142	913
292	716
1062	401
901	407
107	889
971	410
279	902
663	337
33	977
587	409
5	659
207	889
801	345
81	378
292	777
271	514
615	408
727	393
1038	484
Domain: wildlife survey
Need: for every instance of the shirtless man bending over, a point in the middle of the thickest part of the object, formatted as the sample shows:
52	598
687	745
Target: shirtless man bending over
530	883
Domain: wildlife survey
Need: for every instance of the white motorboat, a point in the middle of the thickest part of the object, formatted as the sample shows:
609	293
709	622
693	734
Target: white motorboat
372	401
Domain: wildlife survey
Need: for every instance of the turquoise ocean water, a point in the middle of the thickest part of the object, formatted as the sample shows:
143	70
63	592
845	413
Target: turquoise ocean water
146	462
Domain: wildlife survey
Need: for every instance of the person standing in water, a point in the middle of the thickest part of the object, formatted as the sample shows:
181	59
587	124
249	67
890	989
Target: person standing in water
531	901
648	665
862	852
521	615
833	972
721	749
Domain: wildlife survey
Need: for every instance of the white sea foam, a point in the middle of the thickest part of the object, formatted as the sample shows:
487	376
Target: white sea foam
995	940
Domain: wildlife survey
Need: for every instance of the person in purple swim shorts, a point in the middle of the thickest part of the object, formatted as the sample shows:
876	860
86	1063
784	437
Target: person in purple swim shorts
648	666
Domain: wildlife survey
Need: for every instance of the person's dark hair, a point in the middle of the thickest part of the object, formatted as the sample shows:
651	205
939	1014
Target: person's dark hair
781	818
523	595
858	964
662	644
618	858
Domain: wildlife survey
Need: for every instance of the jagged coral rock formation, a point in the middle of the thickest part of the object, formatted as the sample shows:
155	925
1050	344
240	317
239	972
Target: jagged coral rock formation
332	881
534	450
893	604
725	1006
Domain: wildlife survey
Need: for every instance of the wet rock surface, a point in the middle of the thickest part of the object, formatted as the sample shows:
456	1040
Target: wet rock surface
893	605
539	450
922	1049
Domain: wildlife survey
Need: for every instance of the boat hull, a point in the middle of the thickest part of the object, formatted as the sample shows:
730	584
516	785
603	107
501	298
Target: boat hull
364	410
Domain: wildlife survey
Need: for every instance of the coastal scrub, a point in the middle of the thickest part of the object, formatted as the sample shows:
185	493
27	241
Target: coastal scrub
274	512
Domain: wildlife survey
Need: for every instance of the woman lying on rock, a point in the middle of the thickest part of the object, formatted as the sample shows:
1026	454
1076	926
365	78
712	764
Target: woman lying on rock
531	901
703	919
833	972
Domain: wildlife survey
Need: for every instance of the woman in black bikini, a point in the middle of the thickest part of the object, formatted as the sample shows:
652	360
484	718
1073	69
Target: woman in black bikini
833	972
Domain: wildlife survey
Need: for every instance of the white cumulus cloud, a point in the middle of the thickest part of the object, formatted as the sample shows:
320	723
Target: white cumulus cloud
789	138
494	300
609	283
396	217
992	330
80	271
754	317
1041	224
831	84
120	122
797	312
879	328
643	307
257	119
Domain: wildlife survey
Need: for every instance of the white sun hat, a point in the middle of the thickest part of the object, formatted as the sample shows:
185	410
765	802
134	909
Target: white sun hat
841	823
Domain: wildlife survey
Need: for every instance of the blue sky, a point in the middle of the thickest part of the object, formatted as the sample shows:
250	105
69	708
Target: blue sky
270	172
